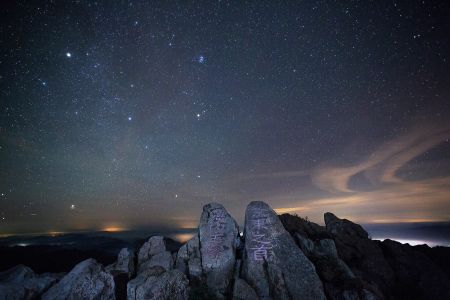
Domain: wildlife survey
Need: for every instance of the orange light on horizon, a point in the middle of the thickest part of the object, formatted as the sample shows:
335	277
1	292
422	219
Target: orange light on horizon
113	229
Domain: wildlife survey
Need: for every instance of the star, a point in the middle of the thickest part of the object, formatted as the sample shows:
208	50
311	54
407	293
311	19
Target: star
130	118
72	206
69	55
201	59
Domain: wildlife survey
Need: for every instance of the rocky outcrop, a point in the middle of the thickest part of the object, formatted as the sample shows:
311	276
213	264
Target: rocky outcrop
279	257
158	283
20	282
218	233
317	244
422	278
87	280
273	264
154	253
364	256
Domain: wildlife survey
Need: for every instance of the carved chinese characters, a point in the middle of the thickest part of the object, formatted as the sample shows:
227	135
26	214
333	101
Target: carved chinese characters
260	243
218	232
273	265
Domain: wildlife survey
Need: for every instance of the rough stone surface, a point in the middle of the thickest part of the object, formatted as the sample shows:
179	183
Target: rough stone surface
87	280
124	263
163	259
243	291
154	253
273	264
189	259
157	283
218	233
20	282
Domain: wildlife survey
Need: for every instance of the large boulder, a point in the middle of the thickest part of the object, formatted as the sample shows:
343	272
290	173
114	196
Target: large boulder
273	264
154	253
20	282
364	256
189	259
157	283
218	233
87	280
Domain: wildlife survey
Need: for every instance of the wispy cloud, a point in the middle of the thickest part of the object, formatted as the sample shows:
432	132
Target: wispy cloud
381	165
391	198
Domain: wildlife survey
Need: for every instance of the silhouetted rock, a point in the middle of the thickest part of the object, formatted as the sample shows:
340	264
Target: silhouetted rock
364	256
157	283
317	244
87	280
20	282
273	264
416	275
218	232
153	253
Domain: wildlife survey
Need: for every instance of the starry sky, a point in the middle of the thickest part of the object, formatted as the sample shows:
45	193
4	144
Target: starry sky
129	114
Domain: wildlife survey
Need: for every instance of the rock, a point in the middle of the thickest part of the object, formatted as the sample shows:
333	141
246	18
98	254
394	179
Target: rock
218	233
87	280
20	282
124	264
157	283
273	264
242	291
154	253
364	256
338	226
310	230
189	260
163	259
415	270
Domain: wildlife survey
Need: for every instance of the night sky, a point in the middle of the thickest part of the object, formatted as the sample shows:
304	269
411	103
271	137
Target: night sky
123	115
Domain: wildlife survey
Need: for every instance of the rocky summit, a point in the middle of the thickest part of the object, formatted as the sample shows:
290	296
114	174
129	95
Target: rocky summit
275	257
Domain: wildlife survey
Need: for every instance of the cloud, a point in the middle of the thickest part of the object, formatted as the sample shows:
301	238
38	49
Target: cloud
381	165
391	199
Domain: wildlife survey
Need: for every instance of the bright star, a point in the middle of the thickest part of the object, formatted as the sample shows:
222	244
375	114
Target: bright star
72	206
201	59
130	118
68	54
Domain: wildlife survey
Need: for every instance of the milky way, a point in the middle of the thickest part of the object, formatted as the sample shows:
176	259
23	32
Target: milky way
132	114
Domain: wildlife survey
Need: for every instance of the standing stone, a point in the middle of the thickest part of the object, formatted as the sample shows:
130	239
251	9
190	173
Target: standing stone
86	281
218	232
273	264
154	253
